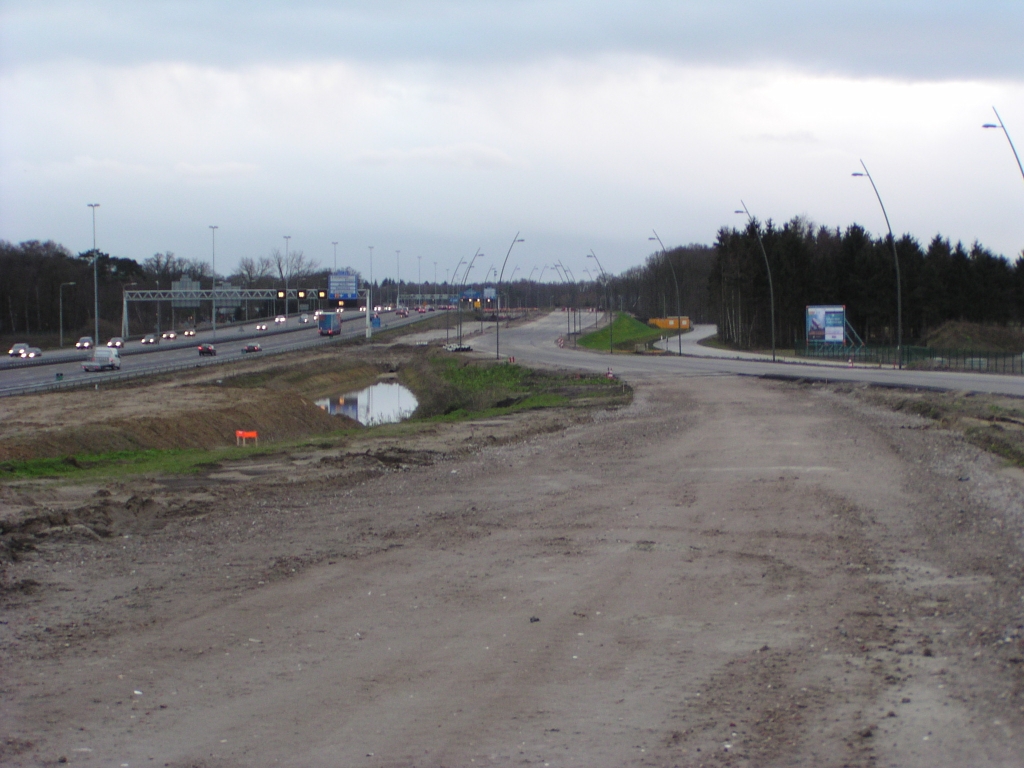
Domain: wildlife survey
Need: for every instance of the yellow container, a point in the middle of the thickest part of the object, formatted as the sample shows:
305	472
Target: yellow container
670	323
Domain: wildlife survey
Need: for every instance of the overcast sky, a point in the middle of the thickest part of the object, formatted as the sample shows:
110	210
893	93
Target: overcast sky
435	128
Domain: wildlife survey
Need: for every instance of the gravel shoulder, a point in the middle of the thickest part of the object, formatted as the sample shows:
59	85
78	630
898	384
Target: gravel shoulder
726	572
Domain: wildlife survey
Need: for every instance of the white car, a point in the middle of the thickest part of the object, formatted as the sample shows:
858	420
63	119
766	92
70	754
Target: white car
280	320
261	326
103	359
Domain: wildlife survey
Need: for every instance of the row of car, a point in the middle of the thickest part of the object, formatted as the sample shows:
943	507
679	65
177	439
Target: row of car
24	351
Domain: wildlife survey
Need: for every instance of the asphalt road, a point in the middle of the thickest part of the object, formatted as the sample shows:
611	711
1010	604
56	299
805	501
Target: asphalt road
536	343
16	376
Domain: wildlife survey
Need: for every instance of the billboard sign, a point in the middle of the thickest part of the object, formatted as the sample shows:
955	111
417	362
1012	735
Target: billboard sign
185	285
826	324
490	294
343	286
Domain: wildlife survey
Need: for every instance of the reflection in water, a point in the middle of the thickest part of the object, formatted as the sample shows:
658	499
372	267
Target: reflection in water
379	404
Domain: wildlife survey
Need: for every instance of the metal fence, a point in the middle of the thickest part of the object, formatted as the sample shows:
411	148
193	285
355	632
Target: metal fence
922	358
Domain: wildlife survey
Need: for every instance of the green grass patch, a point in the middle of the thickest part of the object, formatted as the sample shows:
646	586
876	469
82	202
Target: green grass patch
626	333
84	466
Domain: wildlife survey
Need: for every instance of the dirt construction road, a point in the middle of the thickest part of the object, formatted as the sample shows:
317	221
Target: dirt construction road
725	572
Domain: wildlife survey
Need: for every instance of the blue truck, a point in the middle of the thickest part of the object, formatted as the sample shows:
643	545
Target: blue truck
330	324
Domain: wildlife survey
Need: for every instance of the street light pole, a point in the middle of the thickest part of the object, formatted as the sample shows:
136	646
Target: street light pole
60	293
335	244
771	289
497	309
213	292
285	271
369	298
896	260
95	278
679	316
611	317
1007	134
398	279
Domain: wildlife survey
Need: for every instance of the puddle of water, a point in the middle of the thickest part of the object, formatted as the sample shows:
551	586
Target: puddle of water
380	404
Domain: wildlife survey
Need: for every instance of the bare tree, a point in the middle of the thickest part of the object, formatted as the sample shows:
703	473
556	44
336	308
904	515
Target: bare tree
253	271
290	267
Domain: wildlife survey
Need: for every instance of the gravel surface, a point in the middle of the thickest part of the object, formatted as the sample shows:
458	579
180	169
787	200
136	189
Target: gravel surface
726	572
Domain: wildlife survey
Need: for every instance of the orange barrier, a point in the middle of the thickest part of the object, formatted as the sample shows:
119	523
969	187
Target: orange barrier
241	436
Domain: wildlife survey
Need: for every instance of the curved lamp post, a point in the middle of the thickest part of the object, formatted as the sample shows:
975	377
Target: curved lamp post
608	306
1005	133
771	289
679	315
462	289
60	292
497	309
896	259
213	291
95	278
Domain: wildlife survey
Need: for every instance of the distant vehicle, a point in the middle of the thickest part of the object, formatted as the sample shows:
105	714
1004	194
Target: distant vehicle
280	320
103	359
261	326
207	349
117	342
421	310
329	324
252	348
15	351
459	348
303	318
150	338
402	312
170	335
84	343
430	309
188	332
31	353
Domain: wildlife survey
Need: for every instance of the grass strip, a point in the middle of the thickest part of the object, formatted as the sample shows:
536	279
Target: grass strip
626	332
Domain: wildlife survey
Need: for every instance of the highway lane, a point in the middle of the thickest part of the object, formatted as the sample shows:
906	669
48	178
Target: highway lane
138	359
536	343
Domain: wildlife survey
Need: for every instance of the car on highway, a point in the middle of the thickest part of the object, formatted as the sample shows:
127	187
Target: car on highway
261	326
84	343
421	310
303	318
207	349
169	335
103	359
402	312
252	348
31	353
188	332
116	342
280	320
15	351
150	338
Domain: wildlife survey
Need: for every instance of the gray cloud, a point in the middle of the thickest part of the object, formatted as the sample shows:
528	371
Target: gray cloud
942	39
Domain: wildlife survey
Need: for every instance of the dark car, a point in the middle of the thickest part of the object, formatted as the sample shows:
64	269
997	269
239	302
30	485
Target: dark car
150	338
207	349
252	348
84	343
117	342
15	351
188	332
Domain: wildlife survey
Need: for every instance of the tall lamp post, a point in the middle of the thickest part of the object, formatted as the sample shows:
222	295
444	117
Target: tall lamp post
896	260
335	244
95	278
771	289
285	271
497	309
398	279
611	317
60	292
1005	133
679	315
369	297
213	292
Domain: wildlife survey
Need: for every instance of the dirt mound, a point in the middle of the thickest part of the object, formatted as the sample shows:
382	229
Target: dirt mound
956	334
275	415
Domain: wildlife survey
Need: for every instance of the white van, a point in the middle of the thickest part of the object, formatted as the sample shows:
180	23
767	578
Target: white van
102	359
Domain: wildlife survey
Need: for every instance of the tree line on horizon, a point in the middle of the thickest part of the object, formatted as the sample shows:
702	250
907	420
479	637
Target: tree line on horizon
725	283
